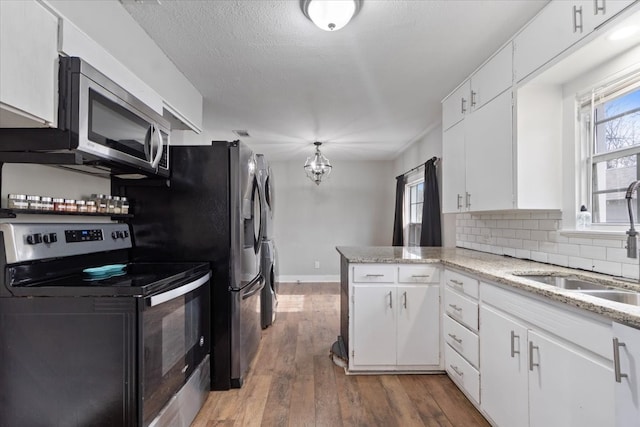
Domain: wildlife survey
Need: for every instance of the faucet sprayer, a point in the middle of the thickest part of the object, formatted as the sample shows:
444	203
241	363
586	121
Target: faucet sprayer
632	245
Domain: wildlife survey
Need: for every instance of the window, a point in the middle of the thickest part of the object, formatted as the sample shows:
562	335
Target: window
415	202
612	129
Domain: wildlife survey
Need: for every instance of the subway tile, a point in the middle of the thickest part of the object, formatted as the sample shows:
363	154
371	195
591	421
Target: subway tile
498	250
539	215
531	224
609	243
555	236
532	245
523	234
548	224
554	215
607	267
490	223
581	263
523	253
485	231
508	232
539	235
467	230
618	255
568	249
539	256
580	241
475	230
523	215
496	216
515	243
509	251
503	223
630	271
557	259
594	252
501	241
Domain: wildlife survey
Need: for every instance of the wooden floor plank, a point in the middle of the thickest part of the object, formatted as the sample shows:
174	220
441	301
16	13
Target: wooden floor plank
293	381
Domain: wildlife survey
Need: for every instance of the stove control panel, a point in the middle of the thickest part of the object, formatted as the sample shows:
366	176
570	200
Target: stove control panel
29	242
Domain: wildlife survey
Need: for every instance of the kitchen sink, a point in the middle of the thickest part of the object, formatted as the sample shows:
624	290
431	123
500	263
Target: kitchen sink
586	287
565	282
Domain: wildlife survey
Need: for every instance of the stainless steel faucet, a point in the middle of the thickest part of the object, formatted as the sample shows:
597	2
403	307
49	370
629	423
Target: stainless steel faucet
632	242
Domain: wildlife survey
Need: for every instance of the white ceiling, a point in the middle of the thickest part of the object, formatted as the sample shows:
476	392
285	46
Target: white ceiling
367	91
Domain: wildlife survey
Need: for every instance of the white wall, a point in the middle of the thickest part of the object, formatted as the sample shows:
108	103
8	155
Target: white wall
353	207
417	153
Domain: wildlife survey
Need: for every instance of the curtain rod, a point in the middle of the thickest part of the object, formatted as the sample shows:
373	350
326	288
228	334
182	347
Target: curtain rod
435	160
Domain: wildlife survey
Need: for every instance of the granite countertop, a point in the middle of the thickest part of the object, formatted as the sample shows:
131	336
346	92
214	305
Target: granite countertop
503	270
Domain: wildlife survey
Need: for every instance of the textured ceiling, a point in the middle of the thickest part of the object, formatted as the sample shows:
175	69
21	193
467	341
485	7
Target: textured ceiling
366	91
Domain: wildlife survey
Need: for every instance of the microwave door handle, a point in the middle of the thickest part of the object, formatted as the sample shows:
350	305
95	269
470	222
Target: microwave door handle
156	159
147	142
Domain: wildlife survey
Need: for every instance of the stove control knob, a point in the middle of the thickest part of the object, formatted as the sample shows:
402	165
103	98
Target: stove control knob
120	234
34	239
114	235
50	238
125	234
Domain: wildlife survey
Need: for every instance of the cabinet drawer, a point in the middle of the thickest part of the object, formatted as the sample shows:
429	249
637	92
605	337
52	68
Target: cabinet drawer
462	283
461	308
461	339
418	274
373	274
462	373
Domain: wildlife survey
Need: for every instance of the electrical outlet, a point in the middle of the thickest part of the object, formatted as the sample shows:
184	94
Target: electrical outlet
317	264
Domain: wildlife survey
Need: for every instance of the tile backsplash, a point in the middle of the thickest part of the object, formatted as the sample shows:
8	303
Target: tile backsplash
536	236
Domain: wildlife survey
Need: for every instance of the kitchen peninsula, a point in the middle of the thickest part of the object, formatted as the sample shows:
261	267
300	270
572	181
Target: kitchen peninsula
548	329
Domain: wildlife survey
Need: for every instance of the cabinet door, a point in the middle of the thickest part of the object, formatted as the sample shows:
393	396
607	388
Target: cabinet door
627	388
493	78
601	11
488	155
503	372
551	32
456	106
566	388
29	59
418	325
374	325
453	172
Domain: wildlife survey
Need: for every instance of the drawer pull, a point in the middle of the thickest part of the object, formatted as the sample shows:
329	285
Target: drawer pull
616	360
457	371
420	276
404	303
531	348
390	300
455	307
374	275
456	282
513	344
455	338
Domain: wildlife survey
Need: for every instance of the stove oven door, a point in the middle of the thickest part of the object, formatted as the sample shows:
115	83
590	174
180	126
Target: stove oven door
175	341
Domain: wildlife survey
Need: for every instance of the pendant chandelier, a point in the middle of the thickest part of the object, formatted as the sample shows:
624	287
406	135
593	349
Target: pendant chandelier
317	166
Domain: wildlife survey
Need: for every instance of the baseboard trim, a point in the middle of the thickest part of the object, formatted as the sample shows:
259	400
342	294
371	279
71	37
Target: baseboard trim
329	278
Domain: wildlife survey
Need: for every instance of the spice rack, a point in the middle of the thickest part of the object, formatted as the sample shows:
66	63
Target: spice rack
12	213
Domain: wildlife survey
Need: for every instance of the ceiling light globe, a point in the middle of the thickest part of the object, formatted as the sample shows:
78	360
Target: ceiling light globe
330	15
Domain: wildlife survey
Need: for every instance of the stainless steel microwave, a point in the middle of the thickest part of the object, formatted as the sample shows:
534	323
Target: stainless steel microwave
102	129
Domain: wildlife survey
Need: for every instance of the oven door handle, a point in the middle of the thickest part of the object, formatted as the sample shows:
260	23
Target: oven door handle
254	288
177	292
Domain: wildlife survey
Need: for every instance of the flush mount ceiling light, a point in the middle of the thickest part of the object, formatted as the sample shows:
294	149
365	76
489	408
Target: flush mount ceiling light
317	166
330	15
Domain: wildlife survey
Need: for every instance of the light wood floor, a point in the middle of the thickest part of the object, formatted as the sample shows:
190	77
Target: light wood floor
293	381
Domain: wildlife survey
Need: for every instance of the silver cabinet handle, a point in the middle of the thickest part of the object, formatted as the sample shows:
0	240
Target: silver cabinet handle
531	348
473	98
463	105
577	10
455	338
459	201
467	199
513	344
457	283
404	303
597	8
390	300
616	360
421	275
456	370
455	307
374	275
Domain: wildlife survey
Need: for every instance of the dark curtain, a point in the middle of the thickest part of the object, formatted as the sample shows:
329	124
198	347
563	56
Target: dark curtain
397	222
430	233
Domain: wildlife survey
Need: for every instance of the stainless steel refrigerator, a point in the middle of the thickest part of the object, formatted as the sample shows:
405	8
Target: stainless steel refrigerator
209	210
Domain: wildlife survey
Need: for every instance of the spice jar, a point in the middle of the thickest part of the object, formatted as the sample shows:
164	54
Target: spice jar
91	206
17	201
47	203
124	205
81	206
59	205
34	203
111	206
70	205
117	205
101	203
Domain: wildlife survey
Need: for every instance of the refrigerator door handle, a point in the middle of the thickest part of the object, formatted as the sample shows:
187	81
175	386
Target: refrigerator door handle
253	288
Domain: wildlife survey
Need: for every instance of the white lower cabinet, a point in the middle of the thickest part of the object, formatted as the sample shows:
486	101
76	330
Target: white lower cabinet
395	326
542	365
626	353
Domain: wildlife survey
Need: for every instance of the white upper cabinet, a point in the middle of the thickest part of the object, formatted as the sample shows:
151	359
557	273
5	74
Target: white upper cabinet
456	105
453	172
558	26
28	61
492	78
